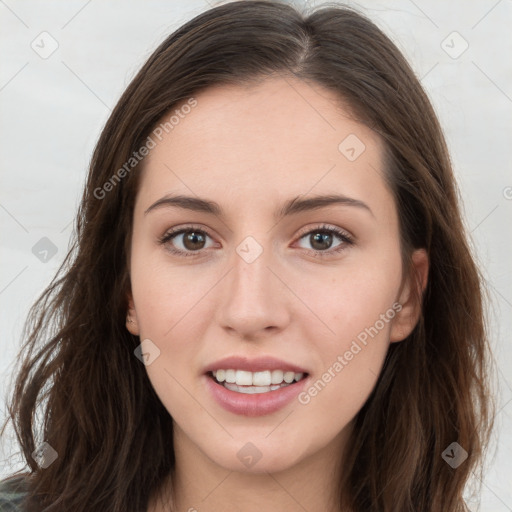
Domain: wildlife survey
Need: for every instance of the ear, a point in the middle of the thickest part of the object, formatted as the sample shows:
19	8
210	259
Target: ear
131	317
411	297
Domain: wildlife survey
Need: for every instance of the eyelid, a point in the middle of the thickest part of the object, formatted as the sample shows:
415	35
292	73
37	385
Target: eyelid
325	227
171	233
347	239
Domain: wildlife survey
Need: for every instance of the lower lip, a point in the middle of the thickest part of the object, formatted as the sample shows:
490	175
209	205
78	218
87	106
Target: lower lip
257	404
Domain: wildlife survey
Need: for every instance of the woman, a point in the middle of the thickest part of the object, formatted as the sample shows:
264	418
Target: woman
271	303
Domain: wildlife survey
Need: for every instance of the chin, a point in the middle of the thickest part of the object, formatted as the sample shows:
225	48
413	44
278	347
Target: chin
259	455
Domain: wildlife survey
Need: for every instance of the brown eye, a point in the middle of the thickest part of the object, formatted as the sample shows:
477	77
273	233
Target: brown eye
185	241
321	240
193	240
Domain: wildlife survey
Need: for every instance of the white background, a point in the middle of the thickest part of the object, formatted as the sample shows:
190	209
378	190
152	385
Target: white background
53	110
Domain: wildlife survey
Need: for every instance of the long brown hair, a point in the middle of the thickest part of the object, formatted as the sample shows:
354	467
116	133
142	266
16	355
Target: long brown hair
112	434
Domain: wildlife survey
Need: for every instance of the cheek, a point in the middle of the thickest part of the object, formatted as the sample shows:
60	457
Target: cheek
352	297
351	359
172	310
357	307
165	294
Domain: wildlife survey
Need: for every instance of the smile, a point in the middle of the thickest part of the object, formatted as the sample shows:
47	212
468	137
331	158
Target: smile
251	400
247	382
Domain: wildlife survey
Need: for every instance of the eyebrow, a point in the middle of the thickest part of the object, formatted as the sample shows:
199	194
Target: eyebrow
290	207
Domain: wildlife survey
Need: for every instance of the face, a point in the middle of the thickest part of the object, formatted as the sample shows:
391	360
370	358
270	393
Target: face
320	290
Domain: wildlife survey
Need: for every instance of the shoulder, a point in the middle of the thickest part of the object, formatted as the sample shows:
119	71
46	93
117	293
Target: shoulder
12	492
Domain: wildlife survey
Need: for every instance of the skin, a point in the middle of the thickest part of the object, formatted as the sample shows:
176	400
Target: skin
250	149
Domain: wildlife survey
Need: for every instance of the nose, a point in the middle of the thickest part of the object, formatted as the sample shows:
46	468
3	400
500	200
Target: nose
255	299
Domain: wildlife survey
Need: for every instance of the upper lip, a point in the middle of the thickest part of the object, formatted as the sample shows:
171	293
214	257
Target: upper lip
258	364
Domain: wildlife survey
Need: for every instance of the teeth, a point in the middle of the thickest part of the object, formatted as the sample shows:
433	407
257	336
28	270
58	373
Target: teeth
277	376
243	378
262	379
230	376
251	390
288	377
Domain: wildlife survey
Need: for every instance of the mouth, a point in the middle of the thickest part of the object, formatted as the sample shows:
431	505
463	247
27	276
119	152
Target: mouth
251	383
254	386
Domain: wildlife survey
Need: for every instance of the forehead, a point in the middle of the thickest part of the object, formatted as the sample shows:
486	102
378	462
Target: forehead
264	142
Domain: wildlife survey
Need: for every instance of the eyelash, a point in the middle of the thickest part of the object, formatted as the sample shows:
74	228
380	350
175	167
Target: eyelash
346	239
